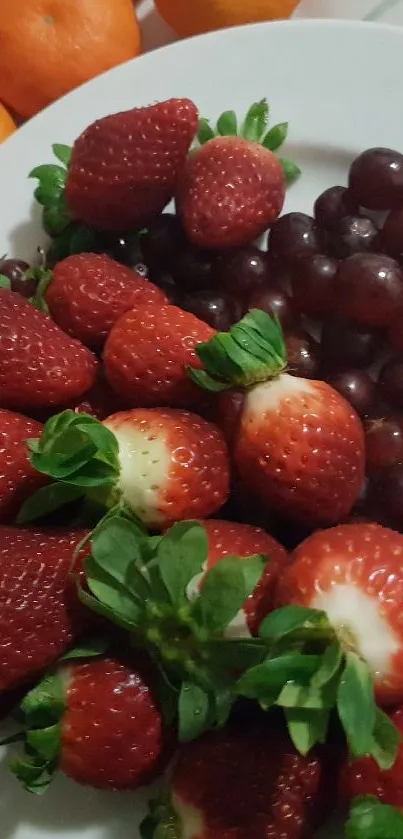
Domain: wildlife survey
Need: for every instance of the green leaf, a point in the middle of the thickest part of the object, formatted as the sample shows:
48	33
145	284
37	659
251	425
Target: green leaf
182	553
5	282
44	741
51	177
289	619
386	741
356	705
105	611
223	701
224	590
291	171
370	819
294	695
45	704
62	152
227	124
90	649
265	681
43	278
276	136
115	597
256	121
307	728
115	550
84	240
194	711
205	132
331	662
235	655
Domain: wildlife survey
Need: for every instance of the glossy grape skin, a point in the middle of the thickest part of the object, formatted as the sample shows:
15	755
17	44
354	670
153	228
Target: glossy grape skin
369	288
391	382
345	344
384	443
292	237
242	271
357	387
333	205
312	285
165	281
216	308
352	234
302	354
275	302
391	235
124	248
192	269
14	270
386	497
163	241
376	179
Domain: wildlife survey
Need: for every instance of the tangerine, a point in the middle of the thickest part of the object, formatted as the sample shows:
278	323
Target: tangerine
49	47
7	124
192	17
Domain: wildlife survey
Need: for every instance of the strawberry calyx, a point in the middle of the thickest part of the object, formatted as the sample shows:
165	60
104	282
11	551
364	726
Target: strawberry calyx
252	351
143	584
41	711
311	673
161	821
254	128
369	818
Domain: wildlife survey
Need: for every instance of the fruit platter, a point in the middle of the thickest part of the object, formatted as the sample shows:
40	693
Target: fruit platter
201	459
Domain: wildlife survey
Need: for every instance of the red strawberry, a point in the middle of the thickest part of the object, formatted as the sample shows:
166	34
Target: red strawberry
18	479
232	188
354	573
124	167
364	777
146	354
100	401
230	538
88	293
295	442
247	782
109	734
40	615
40	366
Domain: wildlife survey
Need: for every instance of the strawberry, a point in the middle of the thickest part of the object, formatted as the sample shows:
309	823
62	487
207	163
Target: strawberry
100	400
364	777
245	783
230	538
40	366
295	442
233	187
40	615
146	354
124	168
18	479
107	730
88	293
354	574
165	465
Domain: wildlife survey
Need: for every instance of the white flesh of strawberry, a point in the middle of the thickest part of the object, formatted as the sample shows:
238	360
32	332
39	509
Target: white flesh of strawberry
190	819
269	395
145	462
355	614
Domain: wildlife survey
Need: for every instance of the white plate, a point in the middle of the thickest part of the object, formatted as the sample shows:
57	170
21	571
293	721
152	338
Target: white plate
339	84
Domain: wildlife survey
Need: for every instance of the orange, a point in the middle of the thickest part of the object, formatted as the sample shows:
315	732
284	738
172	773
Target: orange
48	47
7	124
191	17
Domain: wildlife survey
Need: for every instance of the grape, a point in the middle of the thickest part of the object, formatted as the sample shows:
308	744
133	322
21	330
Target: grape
352	234
312	284
396	332
192	268
376	179
242	271
391	382
163	241
357	387
345	344
275	302
14	270
369	287
218	309
302	354
386	497
124	247
391	235
332	205
293	236
165	281
384	442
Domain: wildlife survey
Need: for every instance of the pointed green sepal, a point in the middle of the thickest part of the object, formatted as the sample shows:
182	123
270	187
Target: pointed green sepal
371	819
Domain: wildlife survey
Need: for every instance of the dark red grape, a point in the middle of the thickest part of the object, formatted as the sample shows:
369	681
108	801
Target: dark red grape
191	268
275	302
391	382
165	281
352	234
302	354
376	179
163	241
357	387
369	287
124	247
14	270
384	442
240	272
216	308
386	497
292	237
332	205
391	235
312	284
345	344
396	332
